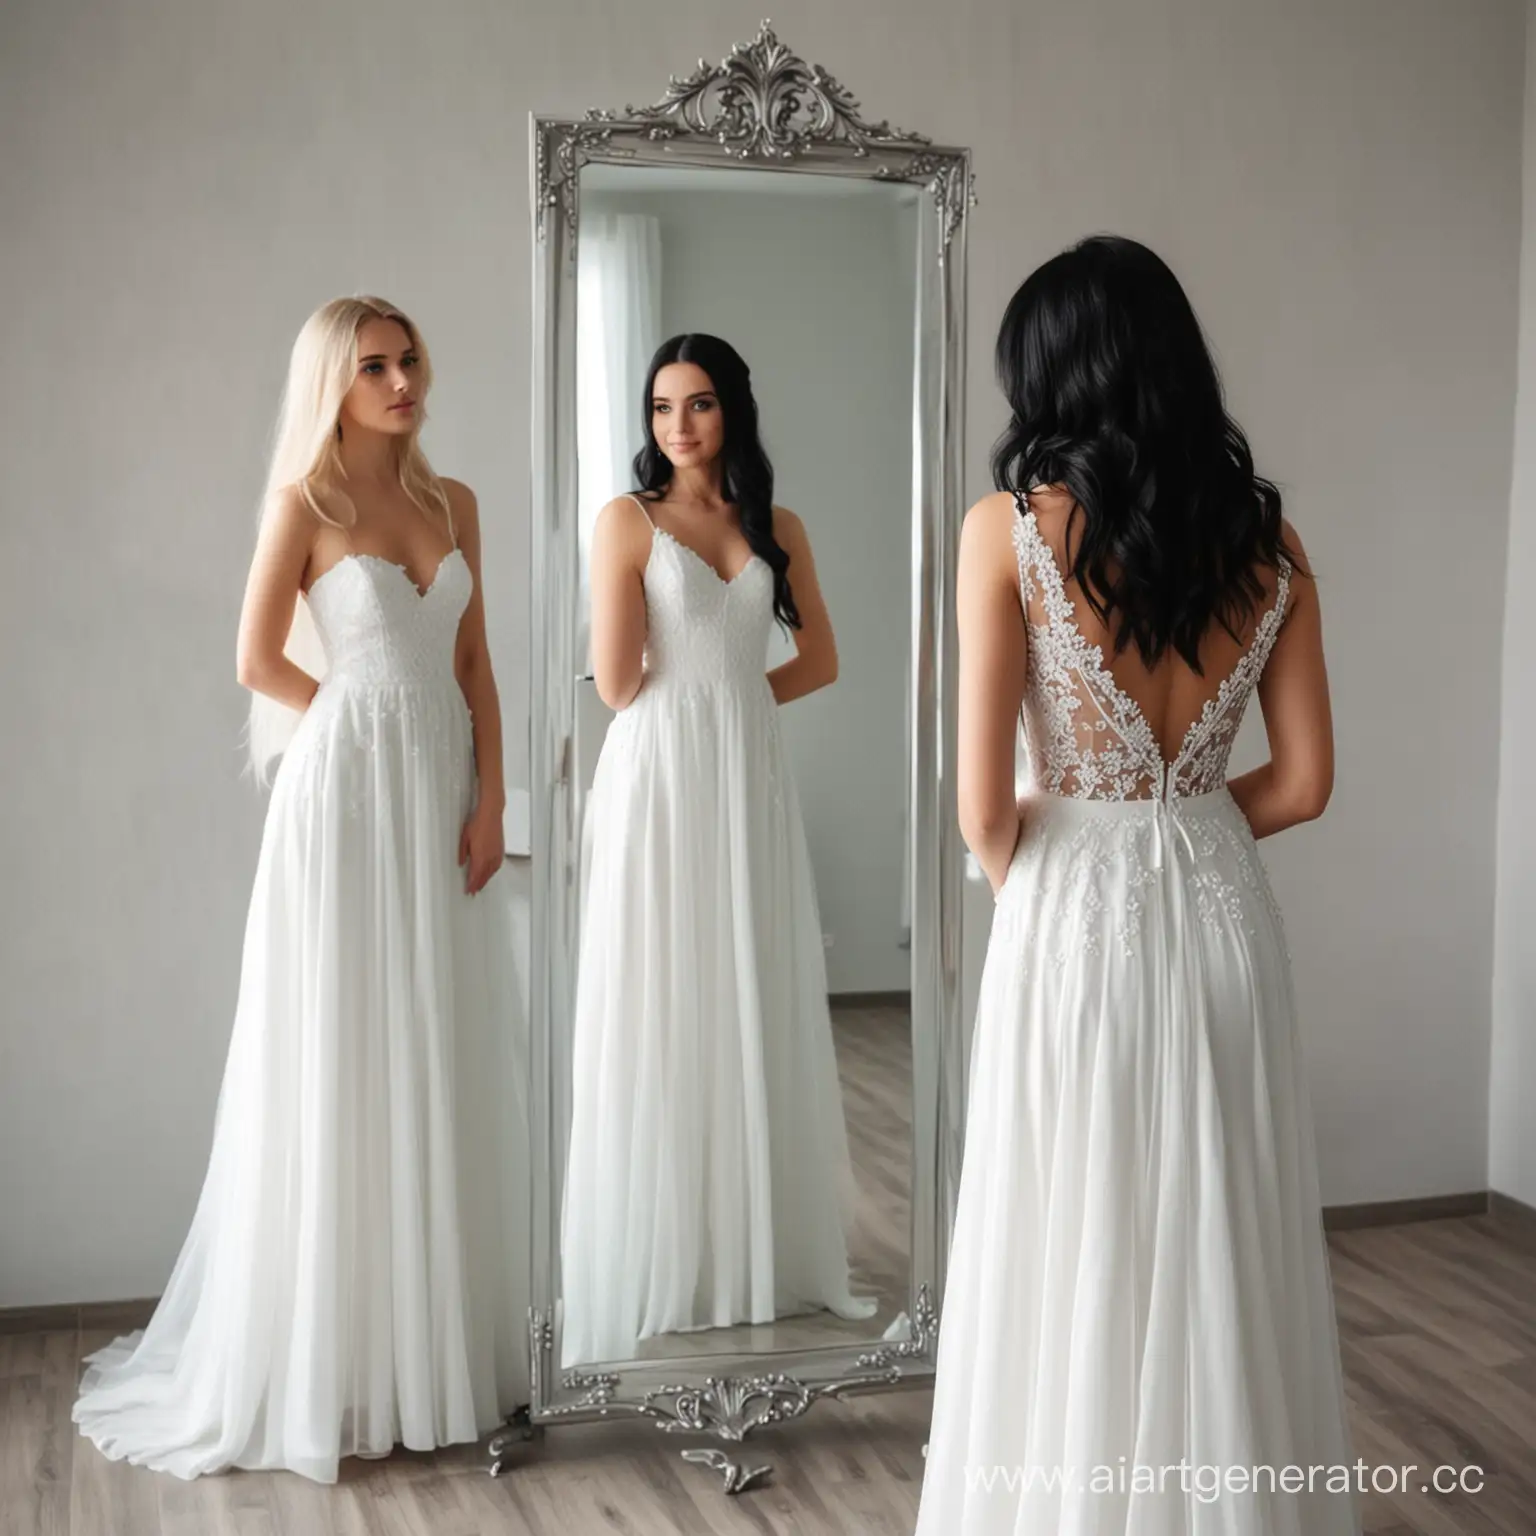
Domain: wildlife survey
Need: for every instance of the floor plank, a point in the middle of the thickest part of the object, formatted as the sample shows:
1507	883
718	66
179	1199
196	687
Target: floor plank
1438	1331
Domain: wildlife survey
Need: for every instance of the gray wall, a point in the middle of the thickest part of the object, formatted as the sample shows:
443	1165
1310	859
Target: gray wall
1512	1102
1339	186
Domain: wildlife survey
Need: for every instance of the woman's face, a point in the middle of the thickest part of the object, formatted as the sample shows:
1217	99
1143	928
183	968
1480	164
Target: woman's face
386	391
685	416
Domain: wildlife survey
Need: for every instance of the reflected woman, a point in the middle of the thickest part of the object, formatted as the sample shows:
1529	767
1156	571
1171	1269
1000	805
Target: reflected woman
708	1181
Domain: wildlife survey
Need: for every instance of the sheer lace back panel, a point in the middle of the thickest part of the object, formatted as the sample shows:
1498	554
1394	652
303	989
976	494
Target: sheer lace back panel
1085	737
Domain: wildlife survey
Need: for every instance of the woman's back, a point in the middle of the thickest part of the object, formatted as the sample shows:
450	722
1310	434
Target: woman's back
1136	1236
1106	726
1137	1278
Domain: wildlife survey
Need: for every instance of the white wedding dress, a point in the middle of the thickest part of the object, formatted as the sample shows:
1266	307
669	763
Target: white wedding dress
356	1274
708	1180
1137	1276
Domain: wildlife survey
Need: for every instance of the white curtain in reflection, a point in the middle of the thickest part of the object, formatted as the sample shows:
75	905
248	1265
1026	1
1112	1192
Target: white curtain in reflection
618	328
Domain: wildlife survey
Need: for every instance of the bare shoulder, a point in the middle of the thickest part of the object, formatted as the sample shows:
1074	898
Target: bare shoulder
1293	543
788	527
988	569
1302	582
289	507
994	511
461	500
289	519
1302	574
623	512
989	523
623	525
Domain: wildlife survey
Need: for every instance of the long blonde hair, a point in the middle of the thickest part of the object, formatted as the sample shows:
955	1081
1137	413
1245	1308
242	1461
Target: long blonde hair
306	454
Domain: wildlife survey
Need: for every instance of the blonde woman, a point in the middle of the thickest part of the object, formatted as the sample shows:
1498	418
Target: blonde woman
356	1272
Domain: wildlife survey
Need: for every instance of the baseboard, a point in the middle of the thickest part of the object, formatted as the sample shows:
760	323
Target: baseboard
85	1317
1396	1213
870	1000
125	1316
1515	1212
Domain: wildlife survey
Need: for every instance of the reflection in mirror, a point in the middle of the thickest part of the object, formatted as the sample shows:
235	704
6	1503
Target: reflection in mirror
738	1168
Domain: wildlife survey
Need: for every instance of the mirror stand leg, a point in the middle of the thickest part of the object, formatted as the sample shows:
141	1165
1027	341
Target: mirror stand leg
737	1477
520	1427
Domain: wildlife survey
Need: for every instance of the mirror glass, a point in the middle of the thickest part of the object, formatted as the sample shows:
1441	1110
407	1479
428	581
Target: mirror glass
737	1073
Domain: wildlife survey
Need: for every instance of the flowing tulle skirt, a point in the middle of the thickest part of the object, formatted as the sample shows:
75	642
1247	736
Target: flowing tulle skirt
1138	1276
708	1178
356	1271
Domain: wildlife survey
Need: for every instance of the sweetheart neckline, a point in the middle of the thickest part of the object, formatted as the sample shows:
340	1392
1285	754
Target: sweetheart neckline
688	549
422	593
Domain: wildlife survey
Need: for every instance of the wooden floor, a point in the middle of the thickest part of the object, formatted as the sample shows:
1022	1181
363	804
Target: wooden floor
1438	1324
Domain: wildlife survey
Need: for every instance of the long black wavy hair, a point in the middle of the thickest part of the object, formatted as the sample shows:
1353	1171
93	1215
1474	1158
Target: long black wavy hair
1116	397
746	478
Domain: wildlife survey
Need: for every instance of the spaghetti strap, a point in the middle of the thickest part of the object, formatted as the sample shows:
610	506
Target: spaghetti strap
453	535
639	501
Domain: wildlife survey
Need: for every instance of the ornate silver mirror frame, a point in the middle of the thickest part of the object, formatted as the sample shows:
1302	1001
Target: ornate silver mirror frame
764	108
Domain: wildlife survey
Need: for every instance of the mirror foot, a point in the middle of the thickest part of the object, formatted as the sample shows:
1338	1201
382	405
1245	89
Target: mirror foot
520	1429
737	1477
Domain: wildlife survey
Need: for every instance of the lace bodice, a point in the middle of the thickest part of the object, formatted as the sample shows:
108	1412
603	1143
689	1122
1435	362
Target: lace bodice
378	629
1085	737
701	628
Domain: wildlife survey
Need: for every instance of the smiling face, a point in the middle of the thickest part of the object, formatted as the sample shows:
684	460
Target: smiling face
386	395
685	416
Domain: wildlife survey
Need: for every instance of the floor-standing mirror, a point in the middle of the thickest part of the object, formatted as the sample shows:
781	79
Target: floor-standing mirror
747	1095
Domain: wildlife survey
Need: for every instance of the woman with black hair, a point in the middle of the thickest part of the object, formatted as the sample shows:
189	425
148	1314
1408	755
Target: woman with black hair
708	1181
1138	1327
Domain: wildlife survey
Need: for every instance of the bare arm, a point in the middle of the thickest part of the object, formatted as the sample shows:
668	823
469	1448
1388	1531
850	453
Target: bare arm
1296	782
283	544
814	664
472	656
482	844
993	652
621	544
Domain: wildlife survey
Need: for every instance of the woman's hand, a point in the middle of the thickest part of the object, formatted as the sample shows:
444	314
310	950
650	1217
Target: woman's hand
482	846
